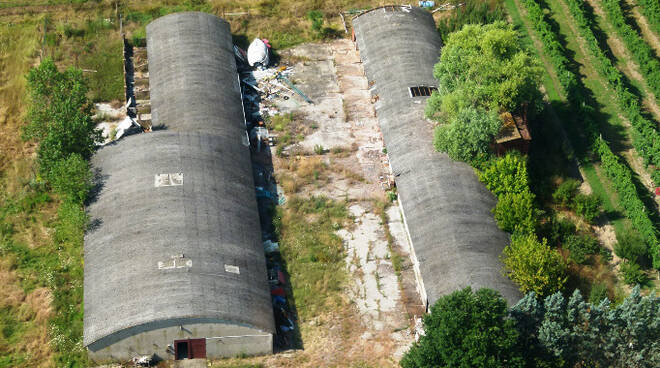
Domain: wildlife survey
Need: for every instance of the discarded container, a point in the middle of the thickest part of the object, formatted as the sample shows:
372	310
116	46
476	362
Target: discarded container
257	54
426	4
271	247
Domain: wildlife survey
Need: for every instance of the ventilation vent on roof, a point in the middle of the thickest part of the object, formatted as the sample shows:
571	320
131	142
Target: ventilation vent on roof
420	91
168	180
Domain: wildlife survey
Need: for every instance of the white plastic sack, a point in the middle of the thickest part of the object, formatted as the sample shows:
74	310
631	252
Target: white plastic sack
258	53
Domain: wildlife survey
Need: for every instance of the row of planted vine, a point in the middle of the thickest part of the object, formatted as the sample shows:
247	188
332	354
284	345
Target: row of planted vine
645	136
651	10
620	174
640	50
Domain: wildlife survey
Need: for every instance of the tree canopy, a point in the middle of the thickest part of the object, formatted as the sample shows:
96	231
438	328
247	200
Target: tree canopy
466	329
482	71
475	329
484	66
60	115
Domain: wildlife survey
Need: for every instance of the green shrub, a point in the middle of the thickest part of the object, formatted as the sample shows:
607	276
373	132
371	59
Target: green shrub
533	265
566	192
598	292
318	149
631	246
506	174
515	212
558	230
139	37
71	178
587	206
71	223
580	247
316	17
633	274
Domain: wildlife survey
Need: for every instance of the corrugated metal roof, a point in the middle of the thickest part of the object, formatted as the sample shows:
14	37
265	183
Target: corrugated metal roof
447	209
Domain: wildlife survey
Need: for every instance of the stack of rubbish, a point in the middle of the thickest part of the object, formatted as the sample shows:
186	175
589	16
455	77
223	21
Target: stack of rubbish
261	89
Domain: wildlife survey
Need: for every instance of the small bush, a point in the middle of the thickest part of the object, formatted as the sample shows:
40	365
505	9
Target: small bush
392	195
515	212
558	230
587	206
633	274
316	17
598	292
580	247
631	246
71	178
566	192
139	38
318	149
506	174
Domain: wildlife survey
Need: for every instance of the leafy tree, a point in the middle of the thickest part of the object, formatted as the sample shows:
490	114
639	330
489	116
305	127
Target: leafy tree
533	265
484	66
60	116
466	137
580	334
466	329
506	174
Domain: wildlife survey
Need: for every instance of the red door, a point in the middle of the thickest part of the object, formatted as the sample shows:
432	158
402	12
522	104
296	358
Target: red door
198	348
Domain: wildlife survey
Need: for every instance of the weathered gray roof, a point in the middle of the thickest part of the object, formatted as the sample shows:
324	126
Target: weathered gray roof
447	209
192	74
168	252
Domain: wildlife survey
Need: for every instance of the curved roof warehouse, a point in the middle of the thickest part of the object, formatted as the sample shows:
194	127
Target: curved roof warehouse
455	240
173	263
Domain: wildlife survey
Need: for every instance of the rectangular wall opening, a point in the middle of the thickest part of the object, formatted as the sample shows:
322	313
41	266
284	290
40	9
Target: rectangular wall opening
421	91
190	349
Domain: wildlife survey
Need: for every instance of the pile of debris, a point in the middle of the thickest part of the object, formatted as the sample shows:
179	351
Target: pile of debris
266	90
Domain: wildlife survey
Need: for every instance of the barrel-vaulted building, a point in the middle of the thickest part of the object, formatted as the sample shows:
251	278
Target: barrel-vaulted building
174	265
455	241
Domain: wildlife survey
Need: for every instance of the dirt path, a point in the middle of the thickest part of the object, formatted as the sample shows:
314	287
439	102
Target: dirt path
649	36
629	67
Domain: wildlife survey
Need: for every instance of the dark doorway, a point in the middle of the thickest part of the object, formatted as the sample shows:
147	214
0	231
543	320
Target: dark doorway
181	349
190	349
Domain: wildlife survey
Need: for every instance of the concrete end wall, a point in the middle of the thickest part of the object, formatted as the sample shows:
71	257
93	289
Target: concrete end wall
223	340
